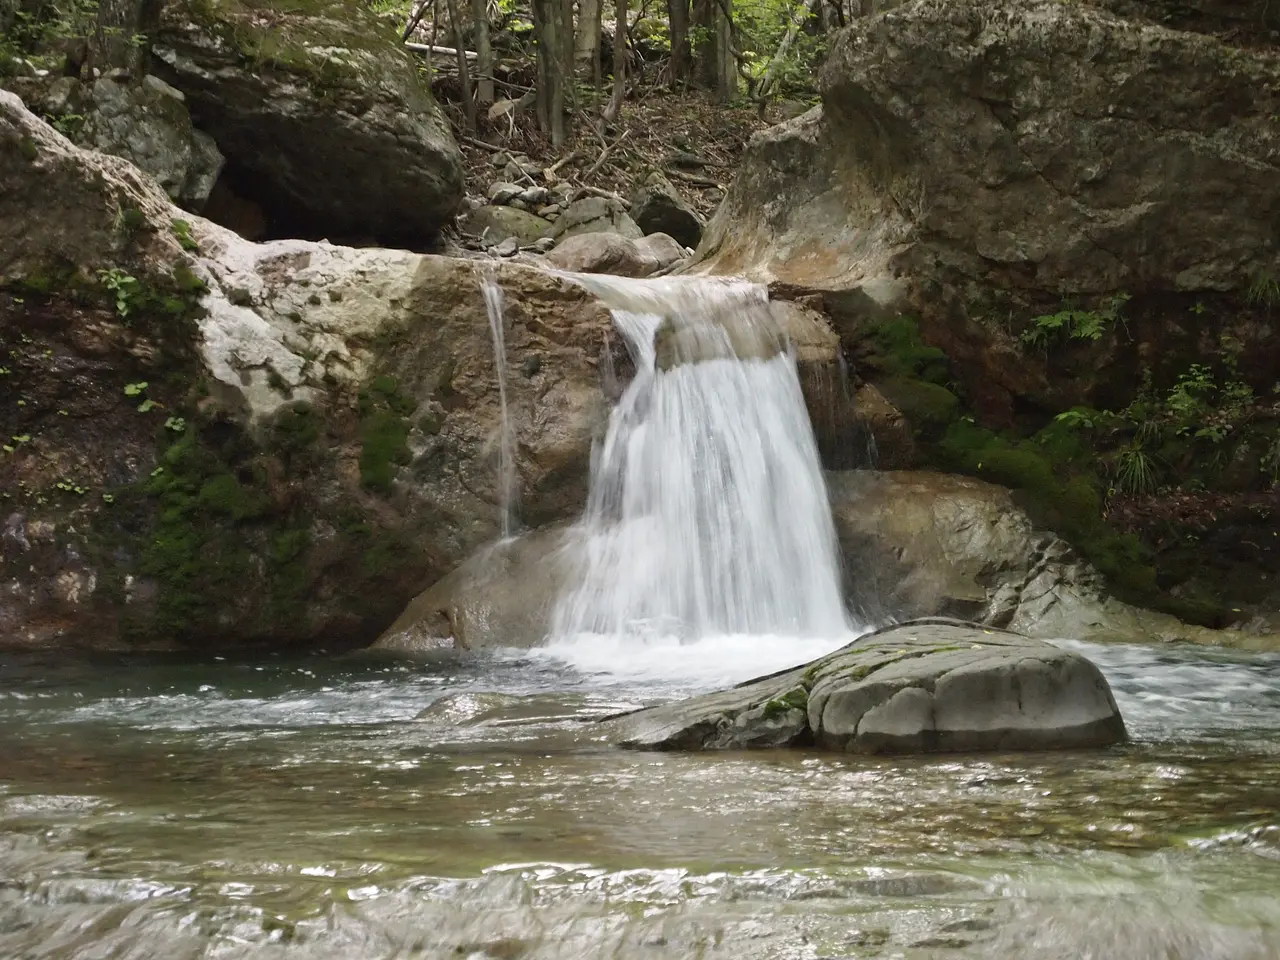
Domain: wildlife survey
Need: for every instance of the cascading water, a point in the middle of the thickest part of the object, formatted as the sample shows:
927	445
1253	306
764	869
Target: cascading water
707	512
506	444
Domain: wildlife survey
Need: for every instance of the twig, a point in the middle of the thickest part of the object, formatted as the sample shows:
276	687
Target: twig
604	155
696	181
483	144
552	170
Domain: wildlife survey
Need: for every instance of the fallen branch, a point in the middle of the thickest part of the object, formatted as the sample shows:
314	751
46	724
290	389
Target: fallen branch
604	155
586	191
551	171
483	144
696	181
442	51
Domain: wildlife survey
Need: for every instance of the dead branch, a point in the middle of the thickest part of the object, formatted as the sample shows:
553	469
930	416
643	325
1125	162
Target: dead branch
696	181
586	191
605	153
442	51
482	144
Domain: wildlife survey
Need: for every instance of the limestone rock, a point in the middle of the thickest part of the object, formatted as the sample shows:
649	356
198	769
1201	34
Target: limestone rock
918	687
321	113
333	415
657	207
611	253
596	215
501	596
147	123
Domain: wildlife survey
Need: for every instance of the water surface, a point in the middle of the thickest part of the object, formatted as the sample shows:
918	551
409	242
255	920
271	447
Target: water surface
375	809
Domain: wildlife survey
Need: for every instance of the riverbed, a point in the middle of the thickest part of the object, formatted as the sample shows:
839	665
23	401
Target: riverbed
357	807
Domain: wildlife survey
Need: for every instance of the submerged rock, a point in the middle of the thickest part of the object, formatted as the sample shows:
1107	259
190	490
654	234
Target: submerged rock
917	687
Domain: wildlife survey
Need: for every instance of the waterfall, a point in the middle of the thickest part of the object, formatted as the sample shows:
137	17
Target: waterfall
506	444
707	513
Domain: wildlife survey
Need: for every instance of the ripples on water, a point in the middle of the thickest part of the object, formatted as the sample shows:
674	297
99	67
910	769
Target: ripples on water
374	809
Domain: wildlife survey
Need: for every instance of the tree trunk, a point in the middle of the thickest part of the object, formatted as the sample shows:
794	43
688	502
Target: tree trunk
550	93
681	57
587	47
120	37
566	54
484	51
612	112
714	66
464	76
769	80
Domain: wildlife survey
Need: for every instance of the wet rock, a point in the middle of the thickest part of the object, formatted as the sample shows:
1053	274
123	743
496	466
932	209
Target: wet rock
657	207
320	110
502	596
922	686
595	215
507	248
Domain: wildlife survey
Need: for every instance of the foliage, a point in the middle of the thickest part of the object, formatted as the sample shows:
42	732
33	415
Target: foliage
125	289
1074	324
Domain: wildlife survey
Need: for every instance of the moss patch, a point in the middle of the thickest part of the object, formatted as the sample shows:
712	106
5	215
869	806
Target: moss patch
384	433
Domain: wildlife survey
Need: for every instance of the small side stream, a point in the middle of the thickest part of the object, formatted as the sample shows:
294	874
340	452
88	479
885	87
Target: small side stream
297	809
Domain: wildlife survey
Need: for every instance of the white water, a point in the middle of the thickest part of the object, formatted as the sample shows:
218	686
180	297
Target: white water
507	491
707	515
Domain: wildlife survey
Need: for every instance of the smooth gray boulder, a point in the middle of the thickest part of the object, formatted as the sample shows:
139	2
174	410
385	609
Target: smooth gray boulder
614	254
924	686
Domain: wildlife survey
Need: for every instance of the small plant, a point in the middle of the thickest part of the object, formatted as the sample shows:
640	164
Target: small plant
108	498
135	389
1136	471
1264	291
1190	395
176	424
146	406
1078	418
1074	324
69	124
182	231
126	289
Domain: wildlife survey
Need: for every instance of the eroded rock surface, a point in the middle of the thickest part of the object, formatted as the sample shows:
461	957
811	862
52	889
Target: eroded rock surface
231	443
917	687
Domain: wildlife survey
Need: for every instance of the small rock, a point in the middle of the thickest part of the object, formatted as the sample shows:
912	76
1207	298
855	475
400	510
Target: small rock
518	203
531	366
507	248
535	195
502	192
549	209
542	244
552	217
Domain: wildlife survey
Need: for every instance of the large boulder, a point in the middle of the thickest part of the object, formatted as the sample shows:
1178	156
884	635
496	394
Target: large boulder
221	442
657	207
493	224
322	114
916	687
976	161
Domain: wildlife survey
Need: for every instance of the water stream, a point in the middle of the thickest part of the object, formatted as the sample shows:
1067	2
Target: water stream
508	492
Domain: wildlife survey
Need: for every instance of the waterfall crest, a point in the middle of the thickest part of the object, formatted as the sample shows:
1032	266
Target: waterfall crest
707	513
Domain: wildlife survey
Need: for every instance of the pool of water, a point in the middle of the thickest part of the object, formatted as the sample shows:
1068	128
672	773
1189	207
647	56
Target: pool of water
365	808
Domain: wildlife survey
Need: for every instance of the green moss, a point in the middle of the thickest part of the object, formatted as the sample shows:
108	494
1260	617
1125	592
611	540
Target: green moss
27	147
899	351
384	445
797	699
923	403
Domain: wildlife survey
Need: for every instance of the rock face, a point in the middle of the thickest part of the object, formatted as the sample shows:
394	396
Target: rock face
941	137
972	161
917	687
233	443
321	113
147	123
657	207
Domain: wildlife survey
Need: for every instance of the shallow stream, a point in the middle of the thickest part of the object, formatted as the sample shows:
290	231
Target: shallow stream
361	808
